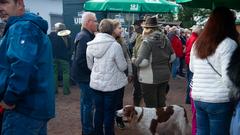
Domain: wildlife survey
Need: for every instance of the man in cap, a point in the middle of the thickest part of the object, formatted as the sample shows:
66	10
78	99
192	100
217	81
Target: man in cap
62	51
26	72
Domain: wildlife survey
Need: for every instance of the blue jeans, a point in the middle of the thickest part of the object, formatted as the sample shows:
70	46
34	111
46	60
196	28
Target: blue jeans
175	67
86	108
213	118
105	103
15	123
119	100
235	123
189	79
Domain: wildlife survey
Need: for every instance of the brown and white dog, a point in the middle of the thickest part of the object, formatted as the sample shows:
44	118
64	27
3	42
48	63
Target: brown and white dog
169	120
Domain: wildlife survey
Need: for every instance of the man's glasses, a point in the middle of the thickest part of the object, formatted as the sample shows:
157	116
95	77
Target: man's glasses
94	21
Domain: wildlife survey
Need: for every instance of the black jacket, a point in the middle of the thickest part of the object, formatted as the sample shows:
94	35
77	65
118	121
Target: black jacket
80	71
60	49
234	74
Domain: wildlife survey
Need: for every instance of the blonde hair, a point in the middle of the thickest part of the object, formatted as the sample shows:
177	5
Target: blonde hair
147	31
115	23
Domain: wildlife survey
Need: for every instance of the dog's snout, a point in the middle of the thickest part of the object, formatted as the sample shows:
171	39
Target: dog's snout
119	113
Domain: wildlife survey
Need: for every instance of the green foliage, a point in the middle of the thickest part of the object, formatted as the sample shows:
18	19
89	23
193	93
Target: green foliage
168	17
187	16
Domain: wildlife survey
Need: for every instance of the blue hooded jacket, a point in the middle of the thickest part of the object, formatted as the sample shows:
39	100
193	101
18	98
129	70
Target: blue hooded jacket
26	67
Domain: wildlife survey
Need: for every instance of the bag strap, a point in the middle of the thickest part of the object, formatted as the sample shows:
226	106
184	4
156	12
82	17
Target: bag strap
213	68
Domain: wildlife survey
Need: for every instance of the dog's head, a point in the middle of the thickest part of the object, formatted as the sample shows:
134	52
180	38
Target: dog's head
128	113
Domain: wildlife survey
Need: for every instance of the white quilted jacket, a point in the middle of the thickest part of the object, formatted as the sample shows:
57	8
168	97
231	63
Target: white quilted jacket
106	60
208	86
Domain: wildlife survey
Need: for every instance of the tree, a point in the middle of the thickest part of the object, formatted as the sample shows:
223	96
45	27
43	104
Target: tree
190	16
186	16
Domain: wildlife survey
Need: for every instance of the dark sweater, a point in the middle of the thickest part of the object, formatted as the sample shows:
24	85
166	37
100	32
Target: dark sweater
60	49
234	74
80	71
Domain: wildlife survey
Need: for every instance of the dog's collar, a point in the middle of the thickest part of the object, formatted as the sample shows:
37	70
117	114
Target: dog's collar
141	115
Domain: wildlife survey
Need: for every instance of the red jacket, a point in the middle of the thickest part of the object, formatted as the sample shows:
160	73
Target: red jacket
177	46
1	109
189	44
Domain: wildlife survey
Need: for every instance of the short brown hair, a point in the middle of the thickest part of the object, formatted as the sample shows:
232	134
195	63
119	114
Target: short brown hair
106	26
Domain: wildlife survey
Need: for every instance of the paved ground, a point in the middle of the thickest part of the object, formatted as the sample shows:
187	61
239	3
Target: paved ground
67	121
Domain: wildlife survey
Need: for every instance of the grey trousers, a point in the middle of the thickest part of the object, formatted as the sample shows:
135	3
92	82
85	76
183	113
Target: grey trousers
154	94
137	93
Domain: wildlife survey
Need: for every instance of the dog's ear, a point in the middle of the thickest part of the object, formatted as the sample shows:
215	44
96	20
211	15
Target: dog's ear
135	112
153	126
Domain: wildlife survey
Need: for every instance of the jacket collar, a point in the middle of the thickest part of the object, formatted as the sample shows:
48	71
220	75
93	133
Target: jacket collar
86	30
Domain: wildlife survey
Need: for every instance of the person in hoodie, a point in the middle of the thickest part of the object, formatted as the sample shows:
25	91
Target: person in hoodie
106	60
26	71
153	60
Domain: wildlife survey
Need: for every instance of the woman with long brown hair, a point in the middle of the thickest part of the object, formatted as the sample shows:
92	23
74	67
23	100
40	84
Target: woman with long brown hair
117	31
209	59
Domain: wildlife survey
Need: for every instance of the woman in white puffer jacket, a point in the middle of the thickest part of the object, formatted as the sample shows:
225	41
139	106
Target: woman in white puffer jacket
209	60
106	61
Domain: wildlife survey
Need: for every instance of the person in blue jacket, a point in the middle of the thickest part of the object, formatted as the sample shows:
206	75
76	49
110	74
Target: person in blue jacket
26	71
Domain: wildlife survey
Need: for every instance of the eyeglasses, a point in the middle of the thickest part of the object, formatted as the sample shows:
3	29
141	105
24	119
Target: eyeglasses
94	21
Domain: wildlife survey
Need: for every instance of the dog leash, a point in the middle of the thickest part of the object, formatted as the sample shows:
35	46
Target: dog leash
141	115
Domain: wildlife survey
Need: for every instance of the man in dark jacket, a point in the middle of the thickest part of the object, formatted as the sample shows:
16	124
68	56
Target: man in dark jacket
81	73
62	51
26	71
137	94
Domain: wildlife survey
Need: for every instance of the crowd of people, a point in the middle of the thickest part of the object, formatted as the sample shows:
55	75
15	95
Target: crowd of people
101	62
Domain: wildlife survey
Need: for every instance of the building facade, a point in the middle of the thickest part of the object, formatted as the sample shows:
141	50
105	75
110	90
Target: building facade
50	10
72	14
